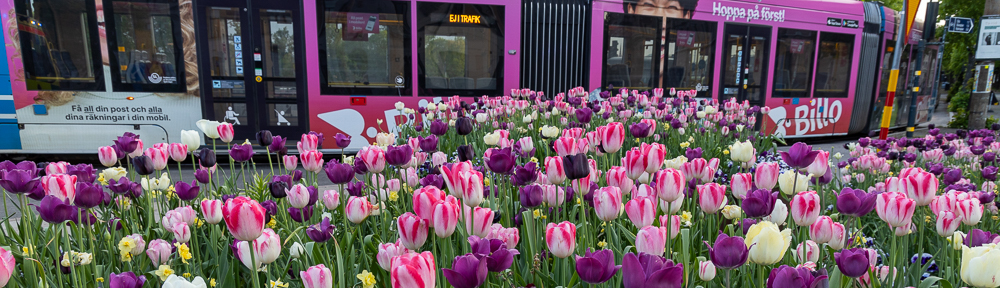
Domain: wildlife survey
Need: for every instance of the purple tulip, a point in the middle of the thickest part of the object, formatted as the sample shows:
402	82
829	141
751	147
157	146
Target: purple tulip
296	175
596	267
978	237
55	211
432	180
241	152
88	195
467	271
128	142
759	203
321	232
693	153
142	165
203	176
83	172
186	191
531	196
269	206
789	277
576	166
438	127
651	271
466	153
500	161
319	136
952	176
728	252
525	175
990	173
342	140
852	262
989	156
359	166
583	115
639	130
799	156
356	188
207	157
300	215
428	144
277	143
746	223
825	179
498	257
18	181
398	155
855	202
339	173
935	168
463	126
264	138
978	149
986	197
121	186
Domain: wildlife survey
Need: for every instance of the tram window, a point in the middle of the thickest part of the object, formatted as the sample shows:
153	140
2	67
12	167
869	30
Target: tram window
833	69
460	49
794	64
59	45
690	50
631	44
144	43
364	49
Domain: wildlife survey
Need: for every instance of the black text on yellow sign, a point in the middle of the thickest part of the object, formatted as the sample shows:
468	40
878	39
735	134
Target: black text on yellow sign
457	18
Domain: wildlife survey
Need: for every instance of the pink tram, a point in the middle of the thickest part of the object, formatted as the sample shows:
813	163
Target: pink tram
84	71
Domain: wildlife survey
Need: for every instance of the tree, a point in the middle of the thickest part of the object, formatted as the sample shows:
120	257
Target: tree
960	46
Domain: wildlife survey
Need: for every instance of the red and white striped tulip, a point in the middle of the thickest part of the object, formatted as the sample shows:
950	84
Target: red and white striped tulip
608	203
244	218
766	175
895	184
651	240
178	151
317	277
805	208
470	185
561	238
373	157
675	224
970	210
138	151
921	187
57	168
807	251
309	142
618	177
182	232
291	162
413	270
62	186
387	251
357	209
948	223
424	200
820	165
565	146
642	211
821	231
312	161
331	199
445	216
450	176
895	209
612	137
711	197
554	170
553	195
158	157
412	230
741	184
701	169
211	210
478	221
839	237
670	184
633	163
653	155
107	156
226	132
298	196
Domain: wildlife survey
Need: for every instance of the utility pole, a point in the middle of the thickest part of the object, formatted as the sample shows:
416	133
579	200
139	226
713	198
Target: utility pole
894	74
980	101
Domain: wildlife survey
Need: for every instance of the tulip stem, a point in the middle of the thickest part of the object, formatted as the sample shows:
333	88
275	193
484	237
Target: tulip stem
253	265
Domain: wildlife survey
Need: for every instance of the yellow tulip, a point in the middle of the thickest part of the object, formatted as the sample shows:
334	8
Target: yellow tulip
978	265
787	180
767	243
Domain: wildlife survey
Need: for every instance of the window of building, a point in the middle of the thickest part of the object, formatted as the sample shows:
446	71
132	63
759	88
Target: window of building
794	63
460	49
632	51
364	49
833	69
690	49
59	44
145	45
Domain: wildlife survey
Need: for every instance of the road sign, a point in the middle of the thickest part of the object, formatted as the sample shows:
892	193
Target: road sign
960	25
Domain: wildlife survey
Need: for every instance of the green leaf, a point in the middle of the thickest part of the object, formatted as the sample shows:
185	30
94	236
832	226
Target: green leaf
930	281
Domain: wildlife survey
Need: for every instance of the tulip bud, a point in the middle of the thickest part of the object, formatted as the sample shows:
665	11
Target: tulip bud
706	271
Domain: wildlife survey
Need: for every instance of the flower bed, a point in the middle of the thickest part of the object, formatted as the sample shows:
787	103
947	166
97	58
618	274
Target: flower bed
614	190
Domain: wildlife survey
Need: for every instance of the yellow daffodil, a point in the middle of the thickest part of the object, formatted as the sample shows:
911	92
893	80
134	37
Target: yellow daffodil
602	244
211	282
184	251
393	196
685	144
367	279
100	279
278	284
163	272
272	224
125	247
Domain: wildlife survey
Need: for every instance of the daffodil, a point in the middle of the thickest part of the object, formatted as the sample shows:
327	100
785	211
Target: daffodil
125	247
184	251
163	272
367	279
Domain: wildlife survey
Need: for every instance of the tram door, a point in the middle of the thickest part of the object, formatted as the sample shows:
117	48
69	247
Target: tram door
250	54
745	61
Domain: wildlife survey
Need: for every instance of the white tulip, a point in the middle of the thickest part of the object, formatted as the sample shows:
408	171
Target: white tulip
210	128
173	281
191	138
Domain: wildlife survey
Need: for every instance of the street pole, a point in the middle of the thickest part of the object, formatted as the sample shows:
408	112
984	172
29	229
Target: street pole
937	76
980	101
897	53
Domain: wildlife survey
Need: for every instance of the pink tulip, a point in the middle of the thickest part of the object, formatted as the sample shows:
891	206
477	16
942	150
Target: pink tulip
373	157
158	157
413	270
554	170
470	185
633	163
331	199
675	224
266	249
652	127
652	155
291	162
61	186
312	161
673	207
410	174
644	191
711	197
565	146
178	151
387	251
107	156
424	200
651	240
244	218
509	236
839	237
946	202
934	156
895	184
317	277
907	172
57	167
820	165
357	209
553	195
701	169
138	151
807	251
450	176
641	211
970	210
595	173
821	231
895	209
182	232
741	184
7	264
412	230
561	238
948	223
159	251
921	187
445	216
572	133
766	175
309	142
226	132
670	184
805	208
608	203
478	221
618	177
211	210
612	137
298	196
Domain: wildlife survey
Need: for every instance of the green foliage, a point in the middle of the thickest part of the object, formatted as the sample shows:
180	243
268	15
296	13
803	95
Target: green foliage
960	46
958	105
991	120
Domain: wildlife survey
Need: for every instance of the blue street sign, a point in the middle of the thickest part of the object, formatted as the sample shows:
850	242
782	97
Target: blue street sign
960	25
